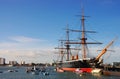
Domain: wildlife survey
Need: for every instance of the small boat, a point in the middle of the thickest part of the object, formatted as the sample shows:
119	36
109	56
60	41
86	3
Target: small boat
78	71
35	71
45	73
97	71
59	70
12	70
28	70
1	71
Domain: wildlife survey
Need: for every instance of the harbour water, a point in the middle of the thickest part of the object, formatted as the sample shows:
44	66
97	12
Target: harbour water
20	73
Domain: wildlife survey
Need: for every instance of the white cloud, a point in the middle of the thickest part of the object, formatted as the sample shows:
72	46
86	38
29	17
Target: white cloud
33	55
16	42
48	55
26	48
7	44
23	39
32	50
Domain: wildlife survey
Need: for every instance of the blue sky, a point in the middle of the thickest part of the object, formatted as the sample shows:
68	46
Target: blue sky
30	29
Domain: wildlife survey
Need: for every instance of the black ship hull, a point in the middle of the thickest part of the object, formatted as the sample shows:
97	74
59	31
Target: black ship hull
75	64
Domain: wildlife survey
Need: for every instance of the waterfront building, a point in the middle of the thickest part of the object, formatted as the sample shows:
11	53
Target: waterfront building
2	61
13	63
22	63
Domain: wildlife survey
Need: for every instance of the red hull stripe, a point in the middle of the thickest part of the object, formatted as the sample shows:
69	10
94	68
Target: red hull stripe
88	70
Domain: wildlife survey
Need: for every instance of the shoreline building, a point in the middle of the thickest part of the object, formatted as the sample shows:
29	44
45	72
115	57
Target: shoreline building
2	61
13	63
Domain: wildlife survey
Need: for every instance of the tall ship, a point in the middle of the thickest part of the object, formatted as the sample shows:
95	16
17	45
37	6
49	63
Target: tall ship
84	62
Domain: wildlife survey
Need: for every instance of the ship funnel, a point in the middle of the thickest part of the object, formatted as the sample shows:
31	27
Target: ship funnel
73	58
77	57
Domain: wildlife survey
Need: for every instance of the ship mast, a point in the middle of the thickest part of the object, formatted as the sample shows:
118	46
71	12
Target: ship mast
67	40
67	46
83	39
